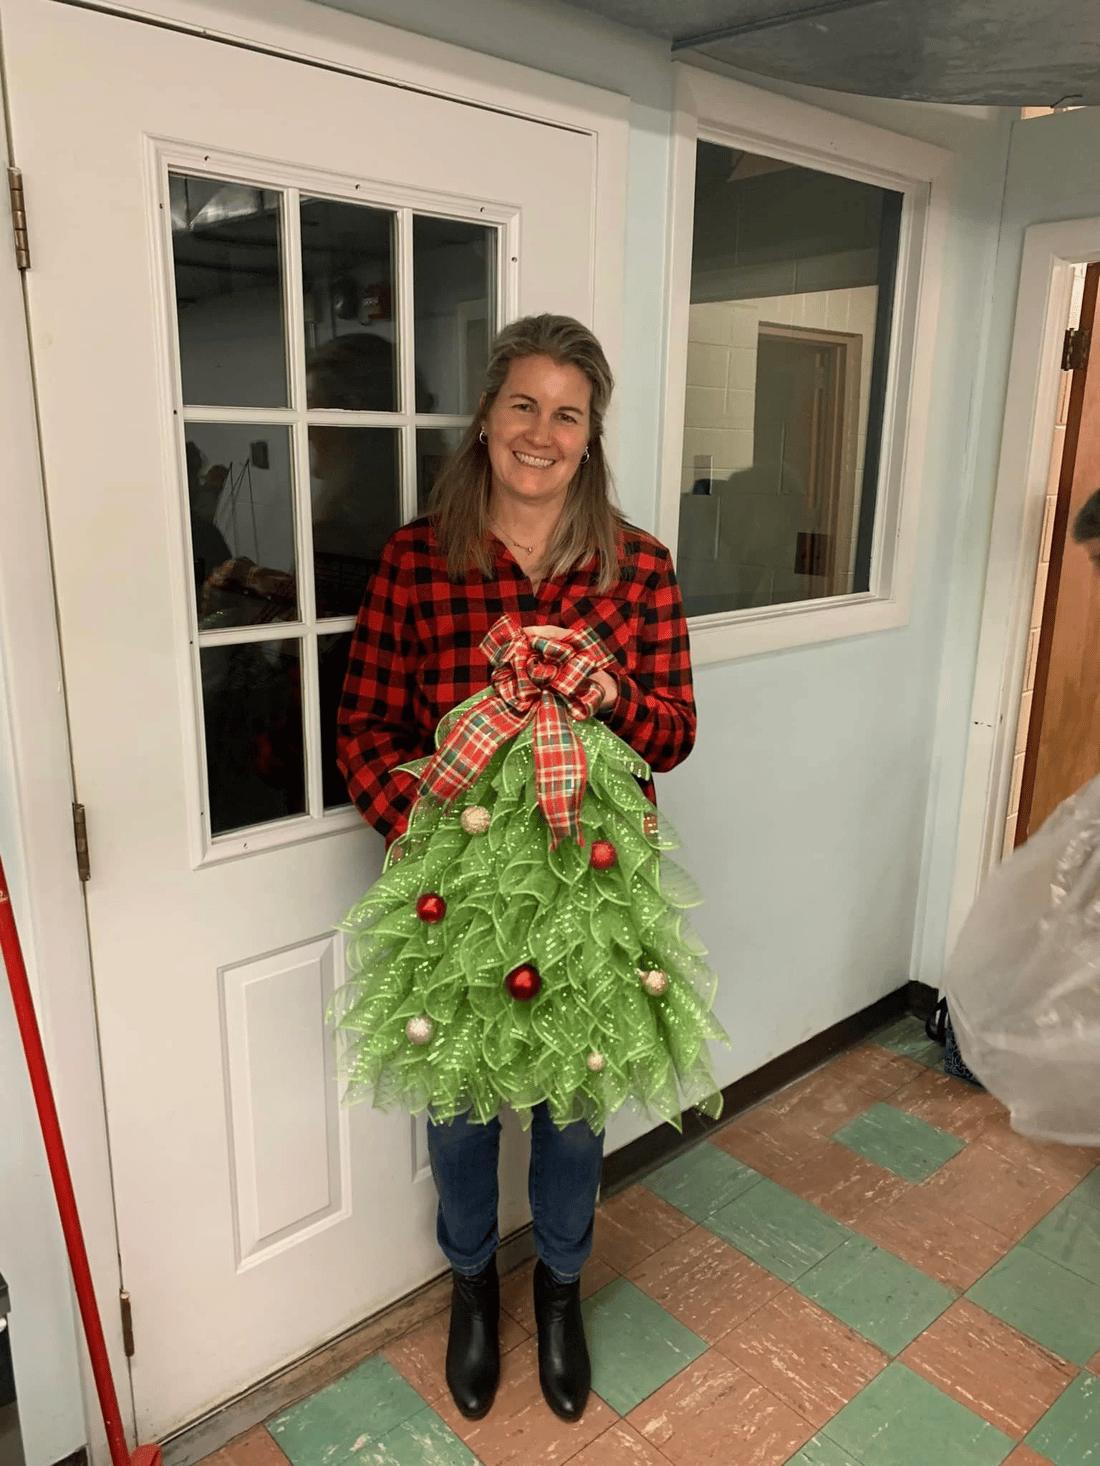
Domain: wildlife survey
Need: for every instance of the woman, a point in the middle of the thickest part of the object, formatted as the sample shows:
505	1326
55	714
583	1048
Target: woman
520	523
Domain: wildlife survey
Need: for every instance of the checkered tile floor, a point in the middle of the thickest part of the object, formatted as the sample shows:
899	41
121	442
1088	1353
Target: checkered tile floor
870	1269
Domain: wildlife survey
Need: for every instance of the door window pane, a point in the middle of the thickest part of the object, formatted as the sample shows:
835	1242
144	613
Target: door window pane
789	325
252	713
242	524
433	447
333	649
454	291
355	488
226	246
348	298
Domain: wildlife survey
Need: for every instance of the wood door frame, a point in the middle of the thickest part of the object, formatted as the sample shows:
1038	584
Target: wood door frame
844	432
1058	539
1042	307
41	863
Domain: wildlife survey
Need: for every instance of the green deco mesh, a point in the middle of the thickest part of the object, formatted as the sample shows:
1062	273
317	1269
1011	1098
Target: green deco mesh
512	900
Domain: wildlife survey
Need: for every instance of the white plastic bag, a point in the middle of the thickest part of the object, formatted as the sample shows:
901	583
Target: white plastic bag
1023	984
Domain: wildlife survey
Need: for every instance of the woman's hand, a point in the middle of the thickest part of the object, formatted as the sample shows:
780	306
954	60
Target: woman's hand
603	680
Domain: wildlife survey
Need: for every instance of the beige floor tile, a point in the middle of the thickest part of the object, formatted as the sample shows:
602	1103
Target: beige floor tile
947	1103
619	1446
990	1368
632	1225
256	1448
942	1240
714	1414
705	1283
804	1356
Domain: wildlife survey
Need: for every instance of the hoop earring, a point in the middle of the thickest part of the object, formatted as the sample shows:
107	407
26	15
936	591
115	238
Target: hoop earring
481	437
587	455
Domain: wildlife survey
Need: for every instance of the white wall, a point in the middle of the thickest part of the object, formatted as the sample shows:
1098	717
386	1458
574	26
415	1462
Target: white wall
1050	176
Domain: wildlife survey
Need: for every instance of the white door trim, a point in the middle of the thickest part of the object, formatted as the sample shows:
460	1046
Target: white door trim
50	904
1046	277
42	863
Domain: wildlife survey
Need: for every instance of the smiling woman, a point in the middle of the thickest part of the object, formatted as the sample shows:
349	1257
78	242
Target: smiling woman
522	589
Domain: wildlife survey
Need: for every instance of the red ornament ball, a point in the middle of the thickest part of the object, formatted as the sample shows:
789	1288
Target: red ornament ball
604	855
431	908
523	982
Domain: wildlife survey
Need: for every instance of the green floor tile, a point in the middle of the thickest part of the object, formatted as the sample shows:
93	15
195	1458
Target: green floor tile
702	1181
820	1452
1070	1234
1045	1301
907	1036
902	1420
781	1232
875	1293
1069	1433
1089	1190
425	1440
335	1424
904	1144
636	1346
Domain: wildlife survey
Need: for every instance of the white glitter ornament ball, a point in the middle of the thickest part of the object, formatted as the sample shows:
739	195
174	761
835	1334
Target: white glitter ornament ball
475	819
419	1030
595	1061
654	982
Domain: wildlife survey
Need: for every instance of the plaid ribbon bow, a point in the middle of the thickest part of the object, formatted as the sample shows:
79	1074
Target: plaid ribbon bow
535	678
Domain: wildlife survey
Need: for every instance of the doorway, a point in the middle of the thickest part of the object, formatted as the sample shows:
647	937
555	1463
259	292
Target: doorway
1058	737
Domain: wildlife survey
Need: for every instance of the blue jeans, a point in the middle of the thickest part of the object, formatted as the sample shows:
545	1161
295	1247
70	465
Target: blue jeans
562	1182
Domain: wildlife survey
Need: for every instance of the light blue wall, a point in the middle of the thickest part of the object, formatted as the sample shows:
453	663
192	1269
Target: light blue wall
1051	175
804	807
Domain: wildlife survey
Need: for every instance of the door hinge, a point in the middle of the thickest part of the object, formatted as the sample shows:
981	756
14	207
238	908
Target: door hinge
1075	348
80	835
19	219
127	1323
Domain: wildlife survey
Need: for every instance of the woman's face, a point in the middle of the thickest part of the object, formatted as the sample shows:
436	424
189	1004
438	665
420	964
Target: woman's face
537	429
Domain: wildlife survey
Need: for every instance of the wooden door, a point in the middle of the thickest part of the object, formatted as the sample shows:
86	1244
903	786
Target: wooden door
1063	738
255	308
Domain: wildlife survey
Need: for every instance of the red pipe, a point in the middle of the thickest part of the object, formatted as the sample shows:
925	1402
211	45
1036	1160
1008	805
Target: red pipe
63	1188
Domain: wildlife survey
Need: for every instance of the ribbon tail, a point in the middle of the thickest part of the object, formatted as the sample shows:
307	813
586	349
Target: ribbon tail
561	771
465	754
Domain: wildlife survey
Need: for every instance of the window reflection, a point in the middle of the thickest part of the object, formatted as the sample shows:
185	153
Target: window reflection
788	342
242	524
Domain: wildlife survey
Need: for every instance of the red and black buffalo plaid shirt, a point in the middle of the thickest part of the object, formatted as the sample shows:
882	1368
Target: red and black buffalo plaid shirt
414	656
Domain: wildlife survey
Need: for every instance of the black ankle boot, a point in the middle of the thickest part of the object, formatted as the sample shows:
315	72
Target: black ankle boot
473	1350
565	1372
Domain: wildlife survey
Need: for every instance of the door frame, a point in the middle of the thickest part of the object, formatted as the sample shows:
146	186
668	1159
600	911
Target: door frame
1042	306
42	866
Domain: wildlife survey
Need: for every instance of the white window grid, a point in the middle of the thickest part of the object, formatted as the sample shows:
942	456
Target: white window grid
294	184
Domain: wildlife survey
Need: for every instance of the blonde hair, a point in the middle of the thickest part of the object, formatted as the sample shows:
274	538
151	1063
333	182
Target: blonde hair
459	501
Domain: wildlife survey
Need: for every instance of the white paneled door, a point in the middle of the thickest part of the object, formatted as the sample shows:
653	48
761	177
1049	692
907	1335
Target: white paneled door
260	300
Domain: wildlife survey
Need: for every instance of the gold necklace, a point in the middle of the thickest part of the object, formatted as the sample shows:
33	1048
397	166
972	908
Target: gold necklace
527	549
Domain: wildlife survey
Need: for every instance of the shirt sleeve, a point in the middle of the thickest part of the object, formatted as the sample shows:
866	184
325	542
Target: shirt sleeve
655	709
376	727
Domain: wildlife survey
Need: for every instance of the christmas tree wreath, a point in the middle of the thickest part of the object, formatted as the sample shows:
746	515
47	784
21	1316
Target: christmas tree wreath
526	940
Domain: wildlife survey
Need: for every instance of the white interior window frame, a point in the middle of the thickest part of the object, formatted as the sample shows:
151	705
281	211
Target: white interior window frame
715	108
1050	252
162	158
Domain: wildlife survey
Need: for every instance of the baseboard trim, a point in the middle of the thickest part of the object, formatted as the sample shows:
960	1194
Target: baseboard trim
623	1167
